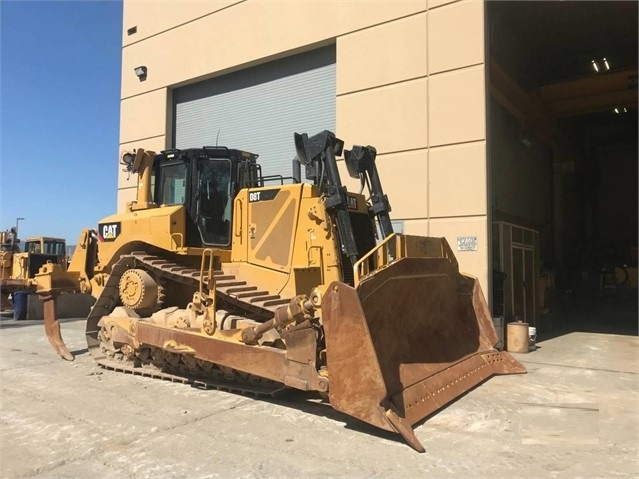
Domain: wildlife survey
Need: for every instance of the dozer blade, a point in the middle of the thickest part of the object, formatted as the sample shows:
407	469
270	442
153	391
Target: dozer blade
411	338
52	327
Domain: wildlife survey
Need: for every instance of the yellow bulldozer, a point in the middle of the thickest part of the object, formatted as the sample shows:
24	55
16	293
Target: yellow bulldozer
18	268
220	276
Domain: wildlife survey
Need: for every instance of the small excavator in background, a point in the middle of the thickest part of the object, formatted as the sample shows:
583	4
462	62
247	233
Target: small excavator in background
220	276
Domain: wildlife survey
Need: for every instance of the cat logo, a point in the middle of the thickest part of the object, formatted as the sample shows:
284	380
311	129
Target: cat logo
108	231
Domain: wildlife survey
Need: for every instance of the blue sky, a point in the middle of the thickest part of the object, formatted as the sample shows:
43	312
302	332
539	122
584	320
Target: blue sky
60	68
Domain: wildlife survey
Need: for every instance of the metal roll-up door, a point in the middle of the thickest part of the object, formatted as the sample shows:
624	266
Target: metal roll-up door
259	109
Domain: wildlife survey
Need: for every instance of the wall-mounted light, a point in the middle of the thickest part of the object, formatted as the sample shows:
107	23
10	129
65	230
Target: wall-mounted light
140	72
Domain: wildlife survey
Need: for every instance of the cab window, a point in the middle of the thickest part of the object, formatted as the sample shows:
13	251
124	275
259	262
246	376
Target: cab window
172	184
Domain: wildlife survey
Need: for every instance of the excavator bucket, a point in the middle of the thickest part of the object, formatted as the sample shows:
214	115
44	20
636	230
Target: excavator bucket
411	337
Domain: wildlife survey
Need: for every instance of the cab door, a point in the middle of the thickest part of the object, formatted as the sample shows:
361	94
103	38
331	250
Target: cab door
213	208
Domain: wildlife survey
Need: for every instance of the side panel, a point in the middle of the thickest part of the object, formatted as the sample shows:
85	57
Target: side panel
162	227
282	239
272	222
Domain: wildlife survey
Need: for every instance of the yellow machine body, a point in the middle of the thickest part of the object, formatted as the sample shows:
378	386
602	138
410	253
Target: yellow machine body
308	288
18	268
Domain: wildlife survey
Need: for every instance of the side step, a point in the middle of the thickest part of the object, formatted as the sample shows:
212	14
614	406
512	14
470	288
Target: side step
249	295
237	291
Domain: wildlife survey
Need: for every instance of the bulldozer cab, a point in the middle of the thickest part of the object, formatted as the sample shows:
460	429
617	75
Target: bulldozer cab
42	249
204	180
46	245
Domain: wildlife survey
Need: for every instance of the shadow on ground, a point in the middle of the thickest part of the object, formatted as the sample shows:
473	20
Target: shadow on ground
606	314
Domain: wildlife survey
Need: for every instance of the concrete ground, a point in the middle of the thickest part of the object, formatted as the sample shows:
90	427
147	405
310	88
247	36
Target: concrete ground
573	415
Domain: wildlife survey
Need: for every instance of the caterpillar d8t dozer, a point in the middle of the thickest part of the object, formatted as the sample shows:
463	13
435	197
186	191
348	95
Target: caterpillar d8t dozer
216	277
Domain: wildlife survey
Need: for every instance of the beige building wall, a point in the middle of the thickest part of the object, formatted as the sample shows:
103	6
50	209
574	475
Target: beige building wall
410	81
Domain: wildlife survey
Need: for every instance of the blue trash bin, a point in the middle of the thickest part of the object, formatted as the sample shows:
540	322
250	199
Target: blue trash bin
20	305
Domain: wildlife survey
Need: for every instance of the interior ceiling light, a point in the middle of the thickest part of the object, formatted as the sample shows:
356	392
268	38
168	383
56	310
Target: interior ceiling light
605	66
617	110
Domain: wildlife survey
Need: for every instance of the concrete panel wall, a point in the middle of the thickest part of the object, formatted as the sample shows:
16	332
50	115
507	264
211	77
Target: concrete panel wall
457	106
143	116
454	186
402	171
438	3
392	118
367	59
426	115
457	171
242	34
470	262
410	80
455	36
125	195
148	17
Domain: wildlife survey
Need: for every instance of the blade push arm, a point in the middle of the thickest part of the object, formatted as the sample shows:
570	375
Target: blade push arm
360	162
319	151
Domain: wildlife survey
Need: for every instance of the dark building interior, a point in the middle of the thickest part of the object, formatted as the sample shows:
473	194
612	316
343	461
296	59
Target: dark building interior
563	163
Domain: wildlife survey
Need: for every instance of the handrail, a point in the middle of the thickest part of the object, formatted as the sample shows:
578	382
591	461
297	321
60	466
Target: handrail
392	248
397	246
237	218
210	285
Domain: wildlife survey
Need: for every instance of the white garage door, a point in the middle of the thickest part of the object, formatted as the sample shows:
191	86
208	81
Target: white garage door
259	109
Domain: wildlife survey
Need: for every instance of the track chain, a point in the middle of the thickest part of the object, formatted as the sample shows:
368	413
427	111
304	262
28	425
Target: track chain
186	370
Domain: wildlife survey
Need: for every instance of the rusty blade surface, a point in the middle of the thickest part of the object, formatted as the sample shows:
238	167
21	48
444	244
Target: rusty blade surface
410	339
356	383
52	327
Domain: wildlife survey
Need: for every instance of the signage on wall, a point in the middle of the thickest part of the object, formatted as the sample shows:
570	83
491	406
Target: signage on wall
467	243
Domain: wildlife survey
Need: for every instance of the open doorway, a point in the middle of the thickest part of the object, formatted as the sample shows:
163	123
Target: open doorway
563	162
